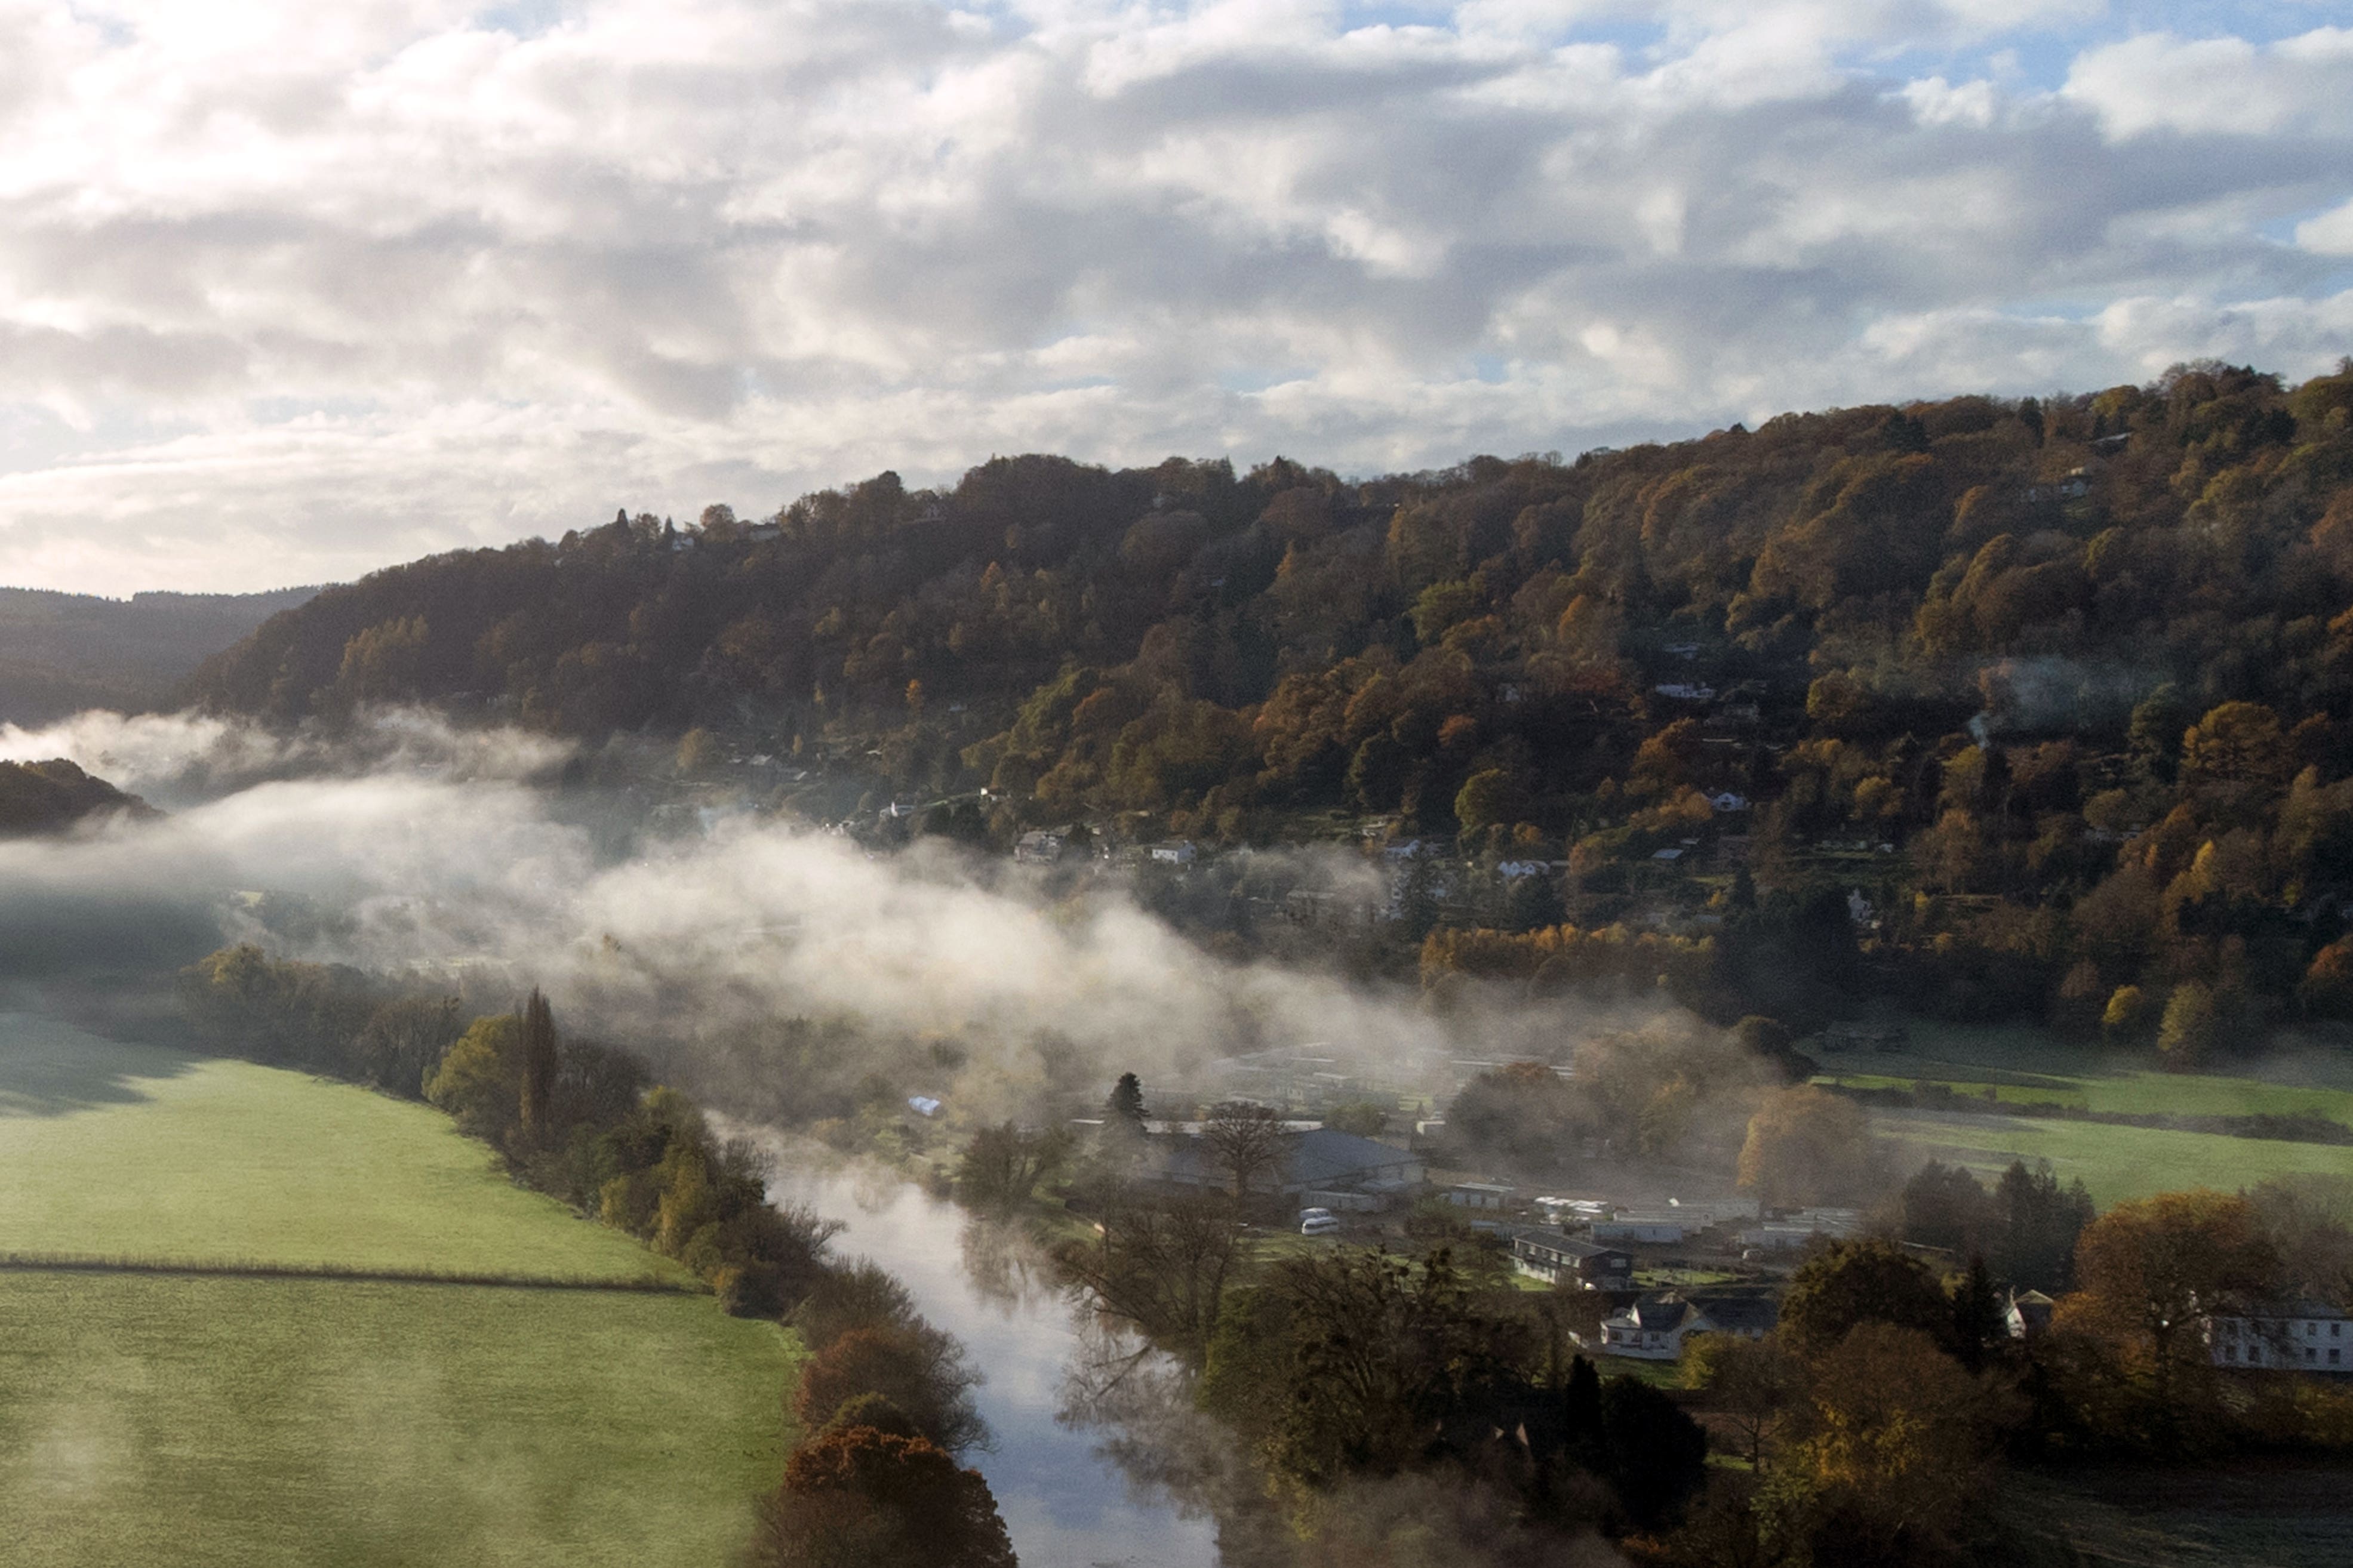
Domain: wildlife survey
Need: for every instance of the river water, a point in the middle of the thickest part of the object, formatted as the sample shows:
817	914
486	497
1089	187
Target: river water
1066	1503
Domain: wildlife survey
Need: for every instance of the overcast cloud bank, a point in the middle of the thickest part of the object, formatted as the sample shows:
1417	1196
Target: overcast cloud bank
289	292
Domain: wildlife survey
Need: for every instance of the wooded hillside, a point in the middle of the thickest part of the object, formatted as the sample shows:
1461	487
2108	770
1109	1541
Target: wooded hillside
2084	668
60	653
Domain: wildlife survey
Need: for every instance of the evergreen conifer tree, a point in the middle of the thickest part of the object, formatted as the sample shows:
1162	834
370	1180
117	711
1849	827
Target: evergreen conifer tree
539	1062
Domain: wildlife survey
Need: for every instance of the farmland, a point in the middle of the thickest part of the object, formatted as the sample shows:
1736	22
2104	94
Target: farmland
208	1420
2001	1068
111	1149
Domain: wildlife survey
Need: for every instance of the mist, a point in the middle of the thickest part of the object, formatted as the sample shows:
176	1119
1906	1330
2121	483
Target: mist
411	846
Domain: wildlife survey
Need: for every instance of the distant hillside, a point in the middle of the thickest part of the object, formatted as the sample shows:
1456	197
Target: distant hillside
1995	707
46	797
60	653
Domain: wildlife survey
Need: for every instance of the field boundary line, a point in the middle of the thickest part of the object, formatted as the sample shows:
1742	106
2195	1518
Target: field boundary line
82	1263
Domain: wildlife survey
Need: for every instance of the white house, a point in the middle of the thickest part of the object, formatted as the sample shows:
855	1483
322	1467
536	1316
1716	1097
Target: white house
2295	1336
1656	1328
2028	1314
1729	801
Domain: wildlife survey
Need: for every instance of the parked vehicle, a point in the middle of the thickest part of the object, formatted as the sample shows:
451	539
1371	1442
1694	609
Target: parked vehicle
1318	1222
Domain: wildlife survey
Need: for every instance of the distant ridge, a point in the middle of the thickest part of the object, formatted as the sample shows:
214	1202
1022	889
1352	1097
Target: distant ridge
60	653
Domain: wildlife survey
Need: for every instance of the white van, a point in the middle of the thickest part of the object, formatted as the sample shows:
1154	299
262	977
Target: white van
1317	1222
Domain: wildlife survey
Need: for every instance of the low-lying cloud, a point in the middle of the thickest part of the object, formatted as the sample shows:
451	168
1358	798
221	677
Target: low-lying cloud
432	850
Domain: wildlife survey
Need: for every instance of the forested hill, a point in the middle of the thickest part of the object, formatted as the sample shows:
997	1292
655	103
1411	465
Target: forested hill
52	796
1178	637
2063	691
60	653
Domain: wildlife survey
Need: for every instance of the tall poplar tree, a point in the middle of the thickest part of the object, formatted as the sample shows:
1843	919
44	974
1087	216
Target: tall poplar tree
538	1064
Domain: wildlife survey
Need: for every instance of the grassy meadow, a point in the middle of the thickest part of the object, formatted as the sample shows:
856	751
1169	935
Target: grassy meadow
206	1421
111	1149
257	1421
2008	1067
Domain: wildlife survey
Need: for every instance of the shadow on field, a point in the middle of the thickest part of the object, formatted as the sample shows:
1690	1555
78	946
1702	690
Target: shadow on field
50	1068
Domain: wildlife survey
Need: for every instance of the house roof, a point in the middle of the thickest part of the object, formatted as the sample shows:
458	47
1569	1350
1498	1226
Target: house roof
1657	1314
1740	1314
2320	1310
1553	1241
1327	1155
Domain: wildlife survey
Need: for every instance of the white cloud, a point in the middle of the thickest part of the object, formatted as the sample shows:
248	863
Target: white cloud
2330	233
2298	87
287	291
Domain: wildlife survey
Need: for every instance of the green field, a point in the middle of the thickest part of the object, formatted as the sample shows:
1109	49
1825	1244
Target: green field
111	1149
243	1422
154	1418
2114	1162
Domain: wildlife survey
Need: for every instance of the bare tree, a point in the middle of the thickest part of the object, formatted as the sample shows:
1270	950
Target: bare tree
1247	1139
1163	1267
1003	1165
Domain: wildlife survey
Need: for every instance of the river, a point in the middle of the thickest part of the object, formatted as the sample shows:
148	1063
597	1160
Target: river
1066	1503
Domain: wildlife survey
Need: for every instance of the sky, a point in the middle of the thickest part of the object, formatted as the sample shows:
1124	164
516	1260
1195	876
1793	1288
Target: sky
292	291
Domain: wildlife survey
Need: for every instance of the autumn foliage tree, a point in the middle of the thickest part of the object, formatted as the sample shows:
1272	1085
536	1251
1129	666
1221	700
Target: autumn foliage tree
866	1496
1806	1145
2150	1274
920	1371
1850	1283
1521	1111
1890	1449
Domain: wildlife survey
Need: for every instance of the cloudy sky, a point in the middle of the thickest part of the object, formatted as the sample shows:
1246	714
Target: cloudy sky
290	291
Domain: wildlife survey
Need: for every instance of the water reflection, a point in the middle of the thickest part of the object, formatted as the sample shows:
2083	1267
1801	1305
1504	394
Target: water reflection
1095	1445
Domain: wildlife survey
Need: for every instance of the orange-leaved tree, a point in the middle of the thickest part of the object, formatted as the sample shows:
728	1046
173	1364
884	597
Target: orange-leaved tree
2150	1275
